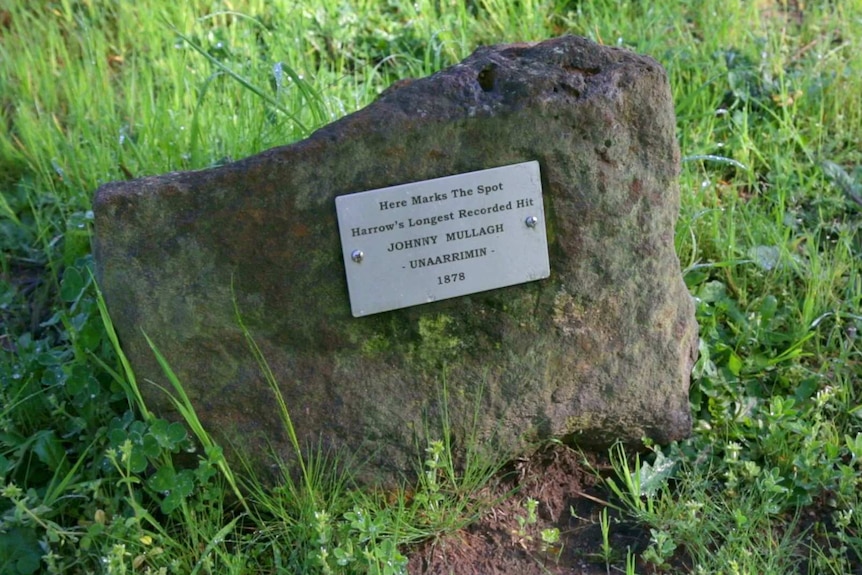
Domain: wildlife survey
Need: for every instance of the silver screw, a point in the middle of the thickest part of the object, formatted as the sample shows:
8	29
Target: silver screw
357	256
531	221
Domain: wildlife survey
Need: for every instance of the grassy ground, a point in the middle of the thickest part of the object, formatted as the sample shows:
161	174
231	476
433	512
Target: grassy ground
770	124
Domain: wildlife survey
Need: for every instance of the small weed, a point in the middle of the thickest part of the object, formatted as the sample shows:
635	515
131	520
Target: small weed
531	538
550	542
523	534
631	562
661	548
607	550
430	498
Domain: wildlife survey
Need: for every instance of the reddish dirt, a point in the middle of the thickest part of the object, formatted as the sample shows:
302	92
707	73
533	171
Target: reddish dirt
569	499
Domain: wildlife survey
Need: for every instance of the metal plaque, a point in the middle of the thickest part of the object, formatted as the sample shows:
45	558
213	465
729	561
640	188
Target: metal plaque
432	240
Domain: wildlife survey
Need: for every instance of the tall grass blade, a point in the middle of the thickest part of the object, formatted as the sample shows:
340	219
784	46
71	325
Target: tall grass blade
271	381
243	81
717	159
6	209
129	382
185	408
218	539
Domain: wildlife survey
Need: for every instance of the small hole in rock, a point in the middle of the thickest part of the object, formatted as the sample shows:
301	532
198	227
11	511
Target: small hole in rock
487	77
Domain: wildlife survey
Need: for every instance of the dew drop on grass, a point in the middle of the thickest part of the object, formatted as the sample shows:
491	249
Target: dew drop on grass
278	73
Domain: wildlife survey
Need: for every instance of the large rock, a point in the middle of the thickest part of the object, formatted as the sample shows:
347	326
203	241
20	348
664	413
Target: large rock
600	351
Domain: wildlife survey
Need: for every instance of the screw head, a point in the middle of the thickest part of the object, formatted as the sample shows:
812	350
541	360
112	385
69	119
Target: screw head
357	256
531	221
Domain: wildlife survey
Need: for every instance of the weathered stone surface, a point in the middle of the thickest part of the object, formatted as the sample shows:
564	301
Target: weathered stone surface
599	351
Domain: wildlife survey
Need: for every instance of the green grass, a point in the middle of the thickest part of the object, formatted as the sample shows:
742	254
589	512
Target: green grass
769	122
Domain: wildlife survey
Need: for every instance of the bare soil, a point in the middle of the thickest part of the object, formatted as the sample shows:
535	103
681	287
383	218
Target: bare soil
570	499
